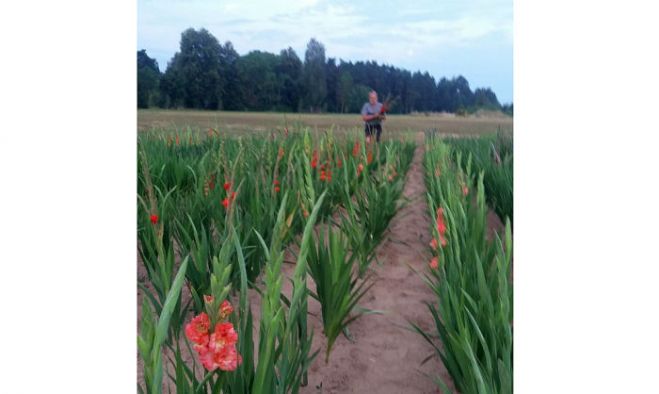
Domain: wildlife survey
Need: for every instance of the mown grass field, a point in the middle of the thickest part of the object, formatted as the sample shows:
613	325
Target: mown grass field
263	121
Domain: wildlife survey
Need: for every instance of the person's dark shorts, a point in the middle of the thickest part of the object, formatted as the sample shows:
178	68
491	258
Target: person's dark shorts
374	129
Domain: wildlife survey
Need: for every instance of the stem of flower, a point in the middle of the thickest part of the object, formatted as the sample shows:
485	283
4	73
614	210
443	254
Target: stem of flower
204	381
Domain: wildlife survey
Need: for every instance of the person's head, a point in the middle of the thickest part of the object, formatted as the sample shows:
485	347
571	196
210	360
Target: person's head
372	97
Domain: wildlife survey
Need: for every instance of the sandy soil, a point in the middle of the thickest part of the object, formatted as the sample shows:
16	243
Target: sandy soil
384	355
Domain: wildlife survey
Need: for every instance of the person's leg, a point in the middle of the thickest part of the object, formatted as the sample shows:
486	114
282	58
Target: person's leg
379	131
368	132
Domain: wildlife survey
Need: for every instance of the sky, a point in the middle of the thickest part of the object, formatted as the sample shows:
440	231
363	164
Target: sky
473	38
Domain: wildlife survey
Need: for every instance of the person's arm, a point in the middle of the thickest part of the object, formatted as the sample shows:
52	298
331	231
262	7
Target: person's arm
365	116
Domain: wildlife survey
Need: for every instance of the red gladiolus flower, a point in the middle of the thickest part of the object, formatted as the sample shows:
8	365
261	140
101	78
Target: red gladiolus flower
369	157
154	219
177	140
277	189
355	149
224	335
275	182
208	299
339	163
322	176
227	186
314	159
434	263
465	190
225	309
433	244
225	202
197	329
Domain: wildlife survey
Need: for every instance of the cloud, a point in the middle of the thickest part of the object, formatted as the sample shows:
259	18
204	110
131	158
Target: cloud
392	32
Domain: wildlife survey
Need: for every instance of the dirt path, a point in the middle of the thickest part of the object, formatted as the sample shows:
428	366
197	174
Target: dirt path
385	356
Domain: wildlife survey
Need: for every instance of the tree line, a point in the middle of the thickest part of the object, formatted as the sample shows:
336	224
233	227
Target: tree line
205	74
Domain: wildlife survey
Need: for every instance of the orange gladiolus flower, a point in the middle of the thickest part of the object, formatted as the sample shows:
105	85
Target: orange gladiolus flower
355	149
369	157
441	226
225	309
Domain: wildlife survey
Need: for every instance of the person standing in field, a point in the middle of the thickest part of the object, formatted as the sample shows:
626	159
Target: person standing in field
372	117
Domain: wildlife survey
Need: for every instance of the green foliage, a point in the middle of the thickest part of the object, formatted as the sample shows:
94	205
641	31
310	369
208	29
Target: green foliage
493	155
229	207
148	80
154	334
331	267
313	76
207	75
472	311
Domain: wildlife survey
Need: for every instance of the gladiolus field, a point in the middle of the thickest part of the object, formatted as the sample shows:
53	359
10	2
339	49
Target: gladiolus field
298	261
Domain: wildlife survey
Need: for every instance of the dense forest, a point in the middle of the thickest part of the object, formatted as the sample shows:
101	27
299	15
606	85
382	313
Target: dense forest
205	74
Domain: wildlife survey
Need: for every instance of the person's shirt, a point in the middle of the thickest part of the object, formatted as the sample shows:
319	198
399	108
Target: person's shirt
369	109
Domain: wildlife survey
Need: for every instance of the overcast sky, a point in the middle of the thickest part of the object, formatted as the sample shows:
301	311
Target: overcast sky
473	38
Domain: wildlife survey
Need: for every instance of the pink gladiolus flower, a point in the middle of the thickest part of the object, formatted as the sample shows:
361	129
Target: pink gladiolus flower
228	358
224	335
197	329
434	263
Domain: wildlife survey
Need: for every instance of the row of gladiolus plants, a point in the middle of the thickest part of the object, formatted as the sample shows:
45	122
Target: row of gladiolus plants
226	209
493	155
470	275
